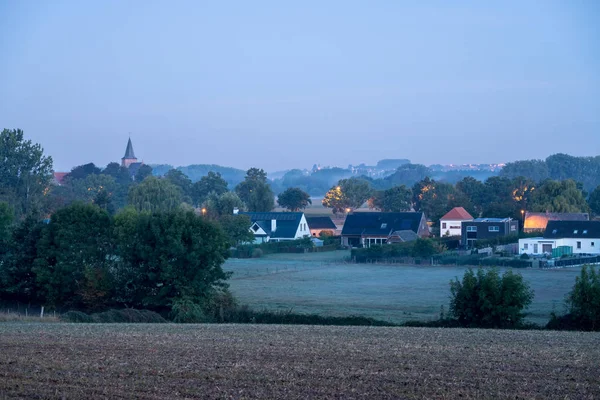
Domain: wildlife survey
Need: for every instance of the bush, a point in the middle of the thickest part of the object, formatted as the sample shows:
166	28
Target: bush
76	316
126	315
524	256
257	253
583	302
487	300
188	312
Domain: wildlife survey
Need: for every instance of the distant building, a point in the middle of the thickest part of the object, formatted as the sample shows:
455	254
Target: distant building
578	237
320	224
451	223
536	221
130	161
364	229
59	177
277	226
487	228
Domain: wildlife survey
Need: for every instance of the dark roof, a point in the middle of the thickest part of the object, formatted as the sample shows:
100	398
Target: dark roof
320	223
129	154
286	226
539	220
572	229
402	236
381	224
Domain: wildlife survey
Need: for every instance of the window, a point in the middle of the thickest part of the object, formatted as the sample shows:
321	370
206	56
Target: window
471	229
383	226
526	246
493	229
585	231
575	232
443	225
579	245
535	248
454	227
255	228
513	228
592	244
554	231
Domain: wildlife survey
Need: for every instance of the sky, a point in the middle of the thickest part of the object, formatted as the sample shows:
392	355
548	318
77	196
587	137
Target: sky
280	85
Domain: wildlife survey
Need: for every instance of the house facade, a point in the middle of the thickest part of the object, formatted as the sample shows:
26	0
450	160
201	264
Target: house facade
579	237
320	224
277	226
487	228
451	223
537	221
365	229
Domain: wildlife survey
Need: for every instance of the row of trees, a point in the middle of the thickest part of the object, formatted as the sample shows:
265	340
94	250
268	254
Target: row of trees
496	197
86	259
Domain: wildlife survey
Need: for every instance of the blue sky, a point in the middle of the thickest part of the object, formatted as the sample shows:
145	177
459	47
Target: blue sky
280	85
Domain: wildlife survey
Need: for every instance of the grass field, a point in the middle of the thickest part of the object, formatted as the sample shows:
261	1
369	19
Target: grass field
321	283
76	361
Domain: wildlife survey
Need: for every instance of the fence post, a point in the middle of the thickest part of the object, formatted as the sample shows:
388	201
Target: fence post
42	312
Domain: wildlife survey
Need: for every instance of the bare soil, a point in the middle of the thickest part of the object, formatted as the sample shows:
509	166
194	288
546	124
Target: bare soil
92	361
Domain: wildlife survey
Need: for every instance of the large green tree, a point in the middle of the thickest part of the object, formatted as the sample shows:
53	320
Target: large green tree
217	206
594	201
143	172
487	300
294	199
237	229
73	253
348	194
179	179
554	196
255	192
25	172
396	199
211	183
169	256
433	198
155	194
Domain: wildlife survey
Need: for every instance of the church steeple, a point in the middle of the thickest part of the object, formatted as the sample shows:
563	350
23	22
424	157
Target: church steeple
129	157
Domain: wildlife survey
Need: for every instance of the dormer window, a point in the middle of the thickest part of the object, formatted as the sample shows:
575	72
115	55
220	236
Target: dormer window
575	232
585	231
383	226
554	231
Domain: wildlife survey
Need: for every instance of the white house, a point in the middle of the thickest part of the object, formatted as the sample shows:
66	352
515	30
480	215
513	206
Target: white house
583	237
277	226
451	223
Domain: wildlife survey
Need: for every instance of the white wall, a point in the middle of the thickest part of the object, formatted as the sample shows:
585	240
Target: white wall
453	227
303	229
585	248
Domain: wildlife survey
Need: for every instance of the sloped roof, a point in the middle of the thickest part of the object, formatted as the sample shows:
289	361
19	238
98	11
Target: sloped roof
457	214
381	224
539	220
59	177
572	229
403	236
129	154
320	223
286	226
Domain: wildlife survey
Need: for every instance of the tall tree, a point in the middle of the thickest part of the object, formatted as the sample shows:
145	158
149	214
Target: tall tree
396	199
218	206
213	182
74	247
121	174
433	198
155	194
179	179
82	171
594	201
25	172
255	192
169	256
294	199
554	196
143	172
348	194
237	229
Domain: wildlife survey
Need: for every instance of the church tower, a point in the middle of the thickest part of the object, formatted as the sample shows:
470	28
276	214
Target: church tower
129	157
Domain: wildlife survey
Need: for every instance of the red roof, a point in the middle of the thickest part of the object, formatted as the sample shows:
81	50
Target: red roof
59	176
457	214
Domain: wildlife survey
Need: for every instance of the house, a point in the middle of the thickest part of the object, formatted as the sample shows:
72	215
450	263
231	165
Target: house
59	177
537	221
487	228
570	237
320	224
277	226
450	224
373	228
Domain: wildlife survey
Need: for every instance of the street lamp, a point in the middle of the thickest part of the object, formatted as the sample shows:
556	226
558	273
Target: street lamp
523	218
204	211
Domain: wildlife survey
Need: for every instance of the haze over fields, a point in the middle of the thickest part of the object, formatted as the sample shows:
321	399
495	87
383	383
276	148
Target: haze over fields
279	85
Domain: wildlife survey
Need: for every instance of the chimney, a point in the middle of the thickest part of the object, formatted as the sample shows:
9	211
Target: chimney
273	225
236	211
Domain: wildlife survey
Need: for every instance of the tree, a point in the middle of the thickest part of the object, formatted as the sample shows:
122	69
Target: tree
424	247
82	171
237	229
74	248
562	197
348	194
25	173
294	199
584	300
218	206
535	170
408	175
488	300
594	201
121	174
17	279
475	191
213	182
433	198
6	219
168	256
255	192
155	194
143	172
179	179
396	199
